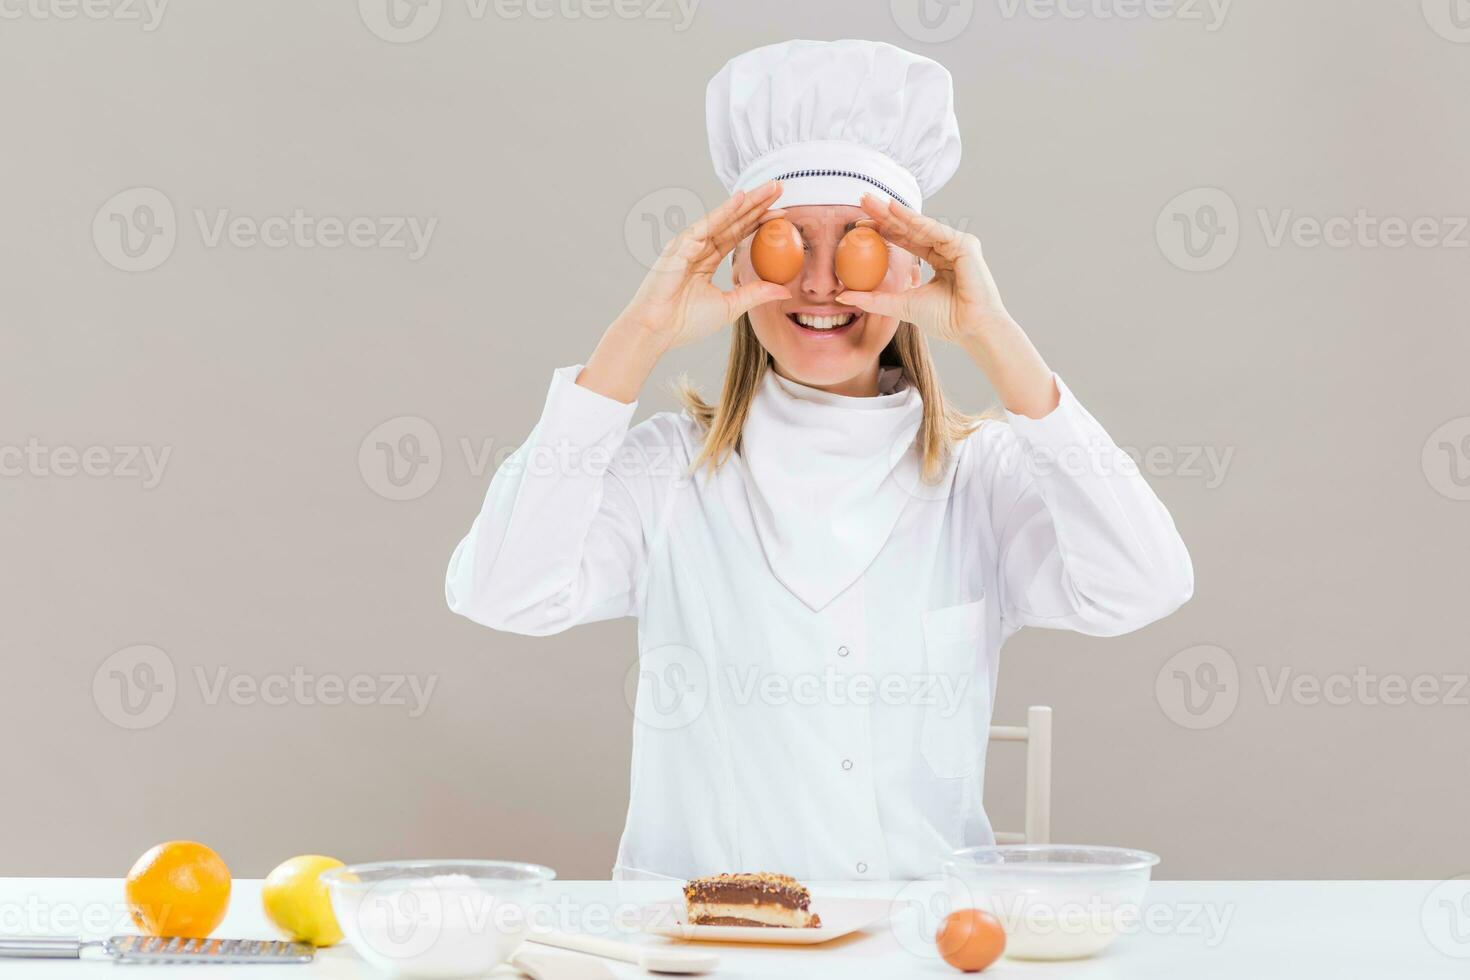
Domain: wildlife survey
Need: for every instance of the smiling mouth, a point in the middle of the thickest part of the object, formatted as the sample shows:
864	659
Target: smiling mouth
823	324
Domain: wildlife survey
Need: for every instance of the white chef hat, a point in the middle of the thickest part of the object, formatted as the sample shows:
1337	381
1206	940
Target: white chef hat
833	120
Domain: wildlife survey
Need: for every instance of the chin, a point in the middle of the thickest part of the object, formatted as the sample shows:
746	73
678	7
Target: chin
823	358
824	372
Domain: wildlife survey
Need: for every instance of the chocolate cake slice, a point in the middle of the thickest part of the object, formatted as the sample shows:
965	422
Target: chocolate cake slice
760	899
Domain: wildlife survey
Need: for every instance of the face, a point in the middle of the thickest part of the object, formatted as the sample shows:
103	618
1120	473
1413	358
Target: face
842	358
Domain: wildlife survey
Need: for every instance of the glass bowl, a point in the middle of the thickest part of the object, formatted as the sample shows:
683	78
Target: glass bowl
1056	901
435	918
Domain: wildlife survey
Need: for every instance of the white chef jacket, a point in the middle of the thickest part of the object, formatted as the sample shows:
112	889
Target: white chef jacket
776	728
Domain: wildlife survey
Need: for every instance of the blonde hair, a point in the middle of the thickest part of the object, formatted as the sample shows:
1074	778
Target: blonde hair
940	429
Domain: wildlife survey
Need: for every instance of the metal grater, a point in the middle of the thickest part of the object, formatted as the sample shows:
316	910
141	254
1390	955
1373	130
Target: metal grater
159	949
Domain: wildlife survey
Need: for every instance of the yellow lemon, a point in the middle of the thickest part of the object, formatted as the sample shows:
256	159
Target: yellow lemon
295	899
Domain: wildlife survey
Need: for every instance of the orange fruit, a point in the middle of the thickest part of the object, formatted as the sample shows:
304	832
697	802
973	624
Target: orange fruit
178	888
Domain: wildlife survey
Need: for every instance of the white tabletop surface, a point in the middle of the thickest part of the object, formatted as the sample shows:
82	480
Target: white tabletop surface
1197	929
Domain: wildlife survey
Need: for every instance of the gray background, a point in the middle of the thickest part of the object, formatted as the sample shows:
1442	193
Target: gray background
548	148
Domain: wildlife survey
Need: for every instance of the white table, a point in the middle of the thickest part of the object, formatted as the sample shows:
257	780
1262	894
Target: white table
1385	930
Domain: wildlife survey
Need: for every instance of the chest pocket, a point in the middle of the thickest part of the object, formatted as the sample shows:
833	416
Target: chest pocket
954	638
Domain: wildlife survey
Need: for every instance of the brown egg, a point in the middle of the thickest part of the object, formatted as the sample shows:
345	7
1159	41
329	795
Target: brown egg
777	252
862	259
971	940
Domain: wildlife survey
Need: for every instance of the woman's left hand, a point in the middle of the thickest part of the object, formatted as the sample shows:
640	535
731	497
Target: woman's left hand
961	304
959	301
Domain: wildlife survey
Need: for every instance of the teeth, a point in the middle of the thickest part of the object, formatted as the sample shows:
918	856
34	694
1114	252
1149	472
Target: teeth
825	322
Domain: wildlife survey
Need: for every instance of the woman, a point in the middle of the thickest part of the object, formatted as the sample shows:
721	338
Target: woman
825	564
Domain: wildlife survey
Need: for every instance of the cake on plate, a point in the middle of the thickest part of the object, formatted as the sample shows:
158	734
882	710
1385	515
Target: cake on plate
758	899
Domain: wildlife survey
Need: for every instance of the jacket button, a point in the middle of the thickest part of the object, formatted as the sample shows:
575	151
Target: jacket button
843	651
846	763
862	867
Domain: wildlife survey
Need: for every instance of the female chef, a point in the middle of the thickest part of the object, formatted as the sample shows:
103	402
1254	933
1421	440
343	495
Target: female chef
825	563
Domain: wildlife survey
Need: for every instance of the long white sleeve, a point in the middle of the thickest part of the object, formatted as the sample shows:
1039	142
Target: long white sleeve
561	537
1083	543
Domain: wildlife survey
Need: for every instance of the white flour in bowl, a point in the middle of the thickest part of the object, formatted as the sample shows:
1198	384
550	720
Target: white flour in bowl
1060	924
441	926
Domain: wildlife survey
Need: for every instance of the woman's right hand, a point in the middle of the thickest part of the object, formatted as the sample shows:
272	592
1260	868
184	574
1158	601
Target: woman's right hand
678	302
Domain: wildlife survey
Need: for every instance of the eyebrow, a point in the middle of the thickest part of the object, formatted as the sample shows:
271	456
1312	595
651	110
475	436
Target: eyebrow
801	226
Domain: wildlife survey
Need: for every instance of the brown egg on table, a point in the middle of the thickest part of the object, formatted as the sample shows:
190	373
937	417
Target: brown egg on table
862	259
971	939
777	251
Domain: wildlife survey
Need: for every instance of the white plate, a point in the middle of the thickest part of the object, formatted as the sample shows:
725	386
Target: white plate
840	916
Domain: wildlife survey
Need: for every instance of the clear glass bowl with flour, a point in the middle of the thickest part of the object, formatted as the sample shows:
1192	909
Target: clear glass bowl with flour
435	918
1055	901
